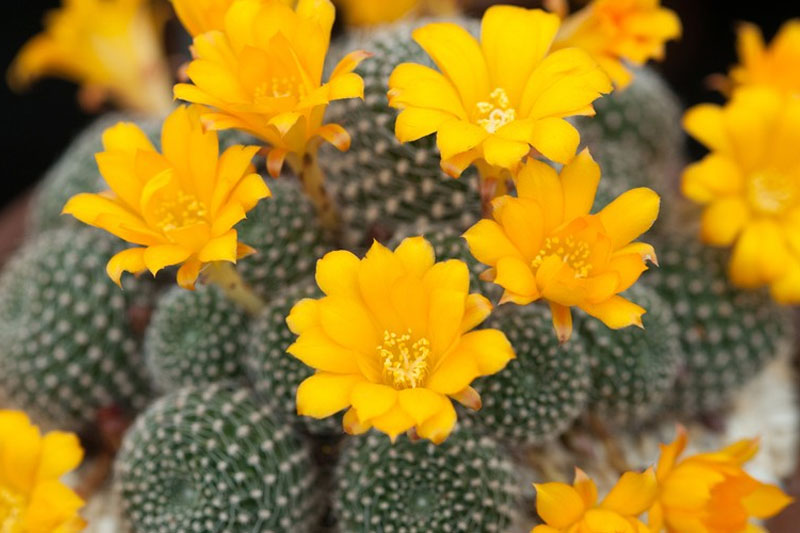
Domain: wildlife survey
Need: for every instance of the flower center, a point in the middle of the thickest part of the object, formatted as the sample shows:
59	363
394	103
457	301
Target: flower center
497	112
279	87
772	192
11	508
405	364
180	211
573	252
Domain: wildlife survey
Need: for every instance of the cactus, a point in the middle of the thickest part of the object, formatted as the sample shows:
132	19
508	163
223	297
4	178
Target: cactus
195	337
633	370
728	335
68	342
636	136
274	374
466	484
287	237
212	459
380	183
544	390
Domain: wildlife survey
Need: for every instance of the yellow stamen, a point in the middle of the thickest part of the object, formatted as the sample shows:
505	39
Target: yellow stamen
11	508
772	192
180	211
405	365
497	112
573	252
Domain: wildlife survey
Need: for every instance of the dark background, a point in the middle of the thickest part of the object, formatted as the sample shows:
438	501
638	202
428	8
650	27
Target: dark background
38	124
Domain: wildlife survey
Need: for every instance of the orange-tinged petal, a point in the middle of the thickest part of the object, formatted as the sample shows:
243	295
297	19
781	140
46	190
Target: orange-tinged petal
454	373
324	394
633	494
559	505
230	215
516	276
314	348
523	221
346	86
469	398
616	312
377	272
628	268
630	215
20	455
477	309
275	160
371	400
562	321
411	302
222	248
159	257
421	404
188	273
350	62
670	453
130	260
539	182
337	274
459	57
352	426
336	136
643	250
488	242
394	422
766	501
438	427
586	487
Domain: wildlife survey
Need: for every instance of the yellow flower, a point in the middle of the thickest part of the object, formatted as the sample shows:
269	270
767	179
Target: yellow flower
180	207
493	100
107	46
201	16
751	184
263	74
710	492
774	66
616	31
392	341
372	13
574	509
545	244
32	499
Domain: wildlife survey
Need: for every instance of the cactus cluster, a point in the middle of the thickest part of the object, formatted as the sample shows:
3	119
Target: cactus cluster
380	183
195	337
465	484
210	459
69	338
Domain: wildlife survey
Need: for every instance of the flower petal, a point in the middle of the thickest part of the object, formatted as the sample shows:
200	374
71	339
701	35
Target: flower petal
488	242
459	57
558	504
421	404
417	255
438	427
371	400
579	180
616	312
130	260
337	274
318	351
633	494
630	215
723	220
324	394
